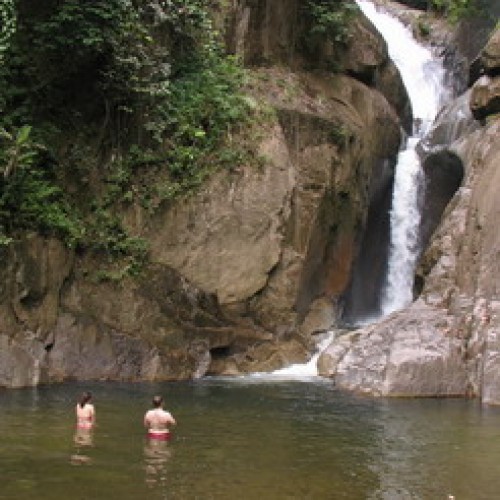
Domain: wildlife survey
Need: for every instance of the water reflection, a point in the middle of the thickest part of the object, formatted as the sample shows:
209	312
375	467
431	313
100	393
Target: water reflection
442	449
397	457
272	441
156	456
83	439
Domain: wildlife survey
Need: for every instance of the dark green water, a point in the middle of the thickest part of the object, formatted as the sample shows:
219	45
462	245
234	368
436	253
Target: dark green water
247	439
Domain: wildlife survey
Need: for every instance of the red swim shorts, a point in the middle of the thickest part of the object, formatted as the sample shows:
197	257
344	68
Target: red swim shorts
160	436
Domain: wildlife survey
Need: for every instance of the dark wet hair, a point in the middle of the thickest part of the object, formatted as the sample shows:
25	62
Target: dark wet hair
157	401
85	398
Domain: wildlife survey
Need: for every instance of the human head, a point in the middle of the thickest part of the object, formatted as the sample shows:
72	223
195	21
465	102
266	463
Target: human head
85	398
157	401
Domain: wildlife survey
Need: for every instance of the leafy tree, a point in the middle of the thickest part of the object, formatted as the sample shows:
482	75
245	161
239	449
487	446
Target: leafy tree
146	83
29	197
330	18
326	21
7	25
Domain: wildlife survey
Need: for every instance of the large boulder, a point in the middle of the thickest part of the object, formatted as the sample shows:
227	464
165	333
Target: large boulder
274	32
268	242
410	354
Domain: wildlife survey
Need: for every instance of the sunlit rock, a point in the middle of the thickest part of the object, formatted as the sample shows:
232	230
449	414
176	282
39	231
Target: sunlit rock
411	354
485	97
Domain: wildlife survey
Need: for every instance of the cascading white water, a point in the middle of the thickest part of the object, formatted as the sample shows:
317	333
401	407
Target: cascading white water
309	369
423	76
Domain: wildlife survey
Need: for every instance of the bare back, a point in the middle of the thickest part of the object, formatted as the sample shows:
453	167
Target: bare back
85	416
158	420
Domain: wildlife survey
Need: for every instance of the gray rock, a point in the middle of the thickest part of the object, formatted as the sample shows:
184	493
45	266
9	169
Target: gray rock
490	55
407	354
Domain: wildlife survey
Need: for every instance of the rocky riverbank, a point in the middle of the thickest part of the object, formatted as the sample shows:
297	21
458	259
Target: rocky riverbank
446	343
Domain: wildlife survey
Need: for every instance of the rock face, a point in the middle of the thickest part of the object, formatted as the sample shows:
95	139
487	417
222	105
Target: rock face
410	354
490	55
244	271
447	342
485	98
32	274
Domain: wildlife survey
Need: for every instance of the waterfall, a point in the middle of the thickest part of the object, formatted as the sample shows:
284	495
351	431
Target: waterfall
301	370
423	77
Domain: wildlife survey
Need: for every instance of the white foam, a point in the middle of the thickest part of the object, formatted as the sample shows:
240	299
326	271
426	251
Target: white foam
302	370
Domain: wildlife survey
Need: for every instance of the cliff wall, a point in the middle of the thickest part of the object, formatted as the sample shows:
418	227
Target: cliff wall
245	271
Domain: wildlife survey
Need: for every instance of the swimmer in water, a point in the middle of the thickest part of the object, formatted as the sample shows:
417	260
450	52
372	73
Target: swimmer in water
157	421
85	412
85	421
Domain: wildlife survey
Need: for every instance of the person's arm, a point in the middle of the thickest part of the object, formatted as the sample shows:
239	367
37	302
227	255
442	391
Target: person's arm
171	419
146	421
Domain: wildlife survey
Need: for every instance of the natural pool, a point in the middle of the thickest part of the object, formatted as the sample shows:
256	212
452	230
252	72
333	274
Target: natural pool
244	439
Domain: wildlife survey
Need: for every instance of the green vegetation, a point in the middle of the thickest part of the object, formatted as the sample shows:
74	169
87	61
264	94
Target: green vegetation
7	25
423	26
204	108
340	135
327	20
454	10
29	197
331	18
100	99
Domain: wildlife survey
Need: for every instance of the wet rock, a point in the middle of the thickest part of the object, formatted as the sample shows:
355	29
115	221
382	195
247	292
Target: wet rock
453	122
367	59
